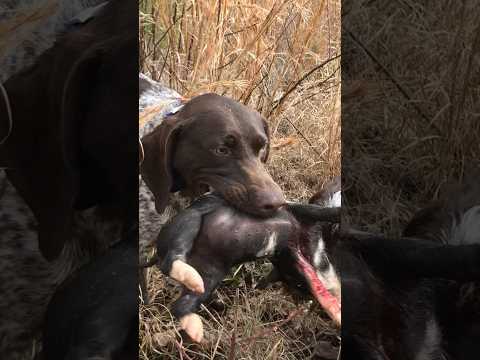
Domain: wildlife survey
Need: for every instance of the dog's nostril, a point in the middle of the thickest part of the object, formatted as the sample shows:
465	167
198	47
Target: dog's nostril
271	207
268	202
268	207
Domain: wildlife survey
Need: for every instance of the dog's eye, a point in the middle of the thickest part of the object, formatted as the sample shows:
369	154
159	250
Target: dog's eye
222	151
260	144
230	140
261	148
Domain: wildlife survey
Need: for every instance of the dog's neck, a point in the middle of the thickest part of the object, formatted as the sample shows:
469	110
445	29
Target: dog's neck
155	104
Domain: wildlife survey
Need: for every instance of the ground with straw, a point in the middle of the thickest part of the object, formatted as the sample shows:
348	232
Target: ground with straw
281	58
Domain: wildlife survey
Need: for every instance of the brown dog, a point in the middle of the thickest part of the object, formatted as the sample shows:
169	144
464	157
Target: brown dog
213	142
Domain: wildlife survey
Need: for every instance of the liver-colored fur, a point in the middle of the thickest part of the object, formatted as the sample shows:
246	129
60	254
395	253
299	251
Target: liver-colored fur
212	141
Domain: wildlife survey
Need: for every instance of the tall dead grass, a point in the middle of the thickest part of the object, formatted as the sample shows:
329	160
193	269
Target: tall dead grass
410	112
281	58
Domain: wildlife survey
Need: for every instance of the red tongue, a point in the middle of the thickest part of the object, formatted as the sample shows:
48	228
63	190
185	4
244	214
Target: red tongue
329	302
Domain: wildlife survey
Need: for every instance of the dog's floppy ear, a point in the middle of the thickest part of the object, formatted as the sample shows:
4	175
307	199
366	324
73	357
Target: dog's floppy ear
55	216
267	148
49	182
156	168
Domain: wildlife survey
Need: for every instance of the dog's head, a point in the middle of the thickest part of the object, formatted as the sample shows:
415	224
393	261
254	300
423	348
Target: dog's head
74	141
213	142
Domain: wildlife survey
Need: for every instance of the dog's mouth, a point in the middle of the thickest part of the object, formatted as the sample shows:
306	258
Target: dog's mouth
325	295
235	193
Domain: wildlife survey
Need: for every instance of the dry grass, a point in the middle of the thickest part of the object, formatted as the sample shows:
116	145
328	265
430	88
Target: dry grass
281	58
411	109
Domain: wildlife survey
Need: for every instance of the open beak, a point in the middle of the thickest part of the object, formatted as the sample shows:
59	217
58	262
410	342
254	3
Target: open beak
328	301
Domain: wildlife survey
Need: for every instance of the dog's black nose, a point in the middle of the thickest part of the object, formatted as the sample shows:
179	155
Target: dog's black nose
270	203
271	207
268	199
